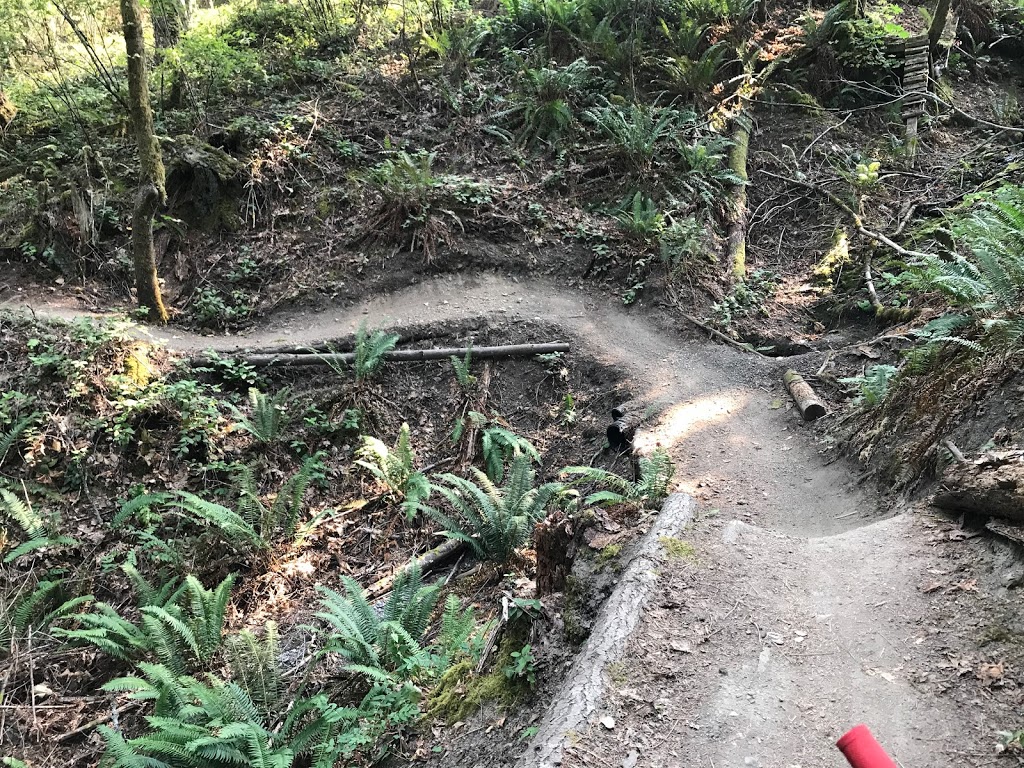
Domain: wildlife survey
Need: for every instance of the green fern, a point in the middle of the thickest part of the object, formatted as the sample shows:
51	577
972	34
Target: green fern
21	512
379	646
180	637
278	520
395	468
873	384
371	347
499	445
461	634
495	522
462	370
655	474
255	669
9	437
268	415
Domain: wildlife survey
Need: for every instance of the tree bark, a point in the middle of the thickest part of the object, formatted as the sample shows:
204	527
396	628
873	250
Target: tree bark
992	485
554	541
170	19
938	23
151	168
807	401
7	111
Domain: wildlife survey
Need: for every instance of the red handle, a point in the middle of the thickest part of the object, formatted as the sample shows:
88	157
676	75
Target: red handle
862	751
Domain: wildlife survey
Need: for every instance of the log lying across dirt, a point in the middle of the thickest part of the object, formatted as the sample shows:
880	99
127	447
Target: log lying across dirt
428	561
409	355
580	695
991	485
807	401
627	419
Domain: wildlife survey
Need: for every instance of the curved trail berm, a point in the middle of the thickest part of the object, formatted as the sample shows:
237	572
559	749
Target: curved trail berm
798	614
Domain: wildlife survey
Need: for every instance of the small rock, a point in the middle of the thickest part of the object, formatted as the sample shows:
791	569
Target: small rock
608	722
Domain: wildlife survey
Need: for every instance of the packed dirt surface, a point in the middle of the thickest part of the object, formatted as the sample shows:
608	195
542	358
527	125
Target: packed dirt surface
800	611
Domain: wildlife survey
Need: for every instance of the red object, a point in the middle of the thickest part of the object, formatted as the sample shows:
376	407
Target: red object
862	751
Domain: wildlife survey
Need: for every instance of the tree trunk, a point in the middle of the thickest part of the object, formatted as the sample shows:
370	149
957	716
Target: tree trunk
151	168
938	23
737	238
7	111
170	19
807	401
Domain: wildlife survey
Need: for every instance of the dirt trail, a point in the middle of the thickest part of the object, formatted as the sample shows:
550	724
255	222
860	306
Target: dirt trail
790	544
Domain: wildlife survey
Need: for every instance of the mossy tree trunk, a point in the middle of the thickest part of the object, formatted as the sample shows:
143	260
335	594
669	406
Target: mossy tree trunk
151	192
737	234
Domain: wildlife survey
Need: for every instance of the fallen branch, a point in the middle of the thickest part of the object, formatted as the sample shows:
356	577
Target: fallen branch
409	355
426	562
737	237
851	214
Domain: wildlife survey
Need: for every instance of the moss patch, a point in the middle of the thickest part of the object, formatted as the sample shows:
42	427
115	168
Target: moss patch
677	549
460	692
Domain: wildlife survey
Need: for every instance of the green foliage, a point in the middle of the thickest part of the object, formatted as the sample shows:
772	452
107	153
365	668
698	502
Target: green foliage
461	635
47	602
183	633
386	646
494	521
648	490
255	669
874	384
745	298
986	287
641	218
522	666
462	375
418	207
253	525
545	110
268	415
370	349
9	437
499	445
395	468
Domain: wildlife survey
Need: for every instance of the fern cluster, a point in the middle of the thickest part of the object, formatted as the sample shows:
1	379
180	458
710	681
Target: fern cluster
268	415
37	531
395	468
370	349
500	445
253	524
494	521
10	436
386	646
654	472
182	633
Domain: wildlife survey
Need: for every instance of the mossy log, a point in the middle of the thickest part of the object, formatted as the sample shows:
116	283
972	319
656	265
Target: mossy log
807	401
992	485
581	692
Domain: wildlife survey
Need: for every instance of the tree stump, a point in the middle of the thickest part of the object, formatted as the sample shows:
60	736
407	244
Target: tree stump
555	541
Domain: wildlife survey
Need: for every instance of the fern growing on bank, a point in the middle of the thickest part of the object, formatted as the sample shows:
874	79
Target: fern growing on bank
494	521
253	525
181	637
10	436
649	489
268	415
370	349
32	525
462	370
387	644
395	468
500	445
985	289
255	668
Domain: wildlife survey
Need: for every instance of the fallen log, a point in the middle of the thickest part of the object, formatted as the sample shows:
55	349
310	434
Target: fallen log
581	692
622	431
409	355
992	485
807	401
426	562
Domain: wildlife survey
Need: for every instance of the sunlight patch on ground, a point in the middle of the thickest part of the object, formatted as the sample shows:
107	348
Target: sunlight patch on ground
682	421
